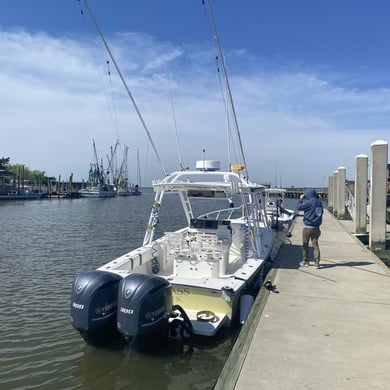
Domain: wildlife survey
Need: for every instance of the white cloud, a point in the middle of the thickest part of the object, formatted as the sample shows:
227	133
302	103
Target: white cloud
56	96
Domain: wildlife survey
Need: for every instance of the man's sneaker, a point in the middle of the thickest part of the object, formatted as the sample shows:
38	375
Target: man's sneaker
317	263
304	263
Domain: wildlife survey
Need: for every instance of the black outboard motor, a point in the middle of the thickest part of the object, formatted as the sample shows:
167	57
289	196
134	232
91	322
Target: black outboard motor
143	304
94	306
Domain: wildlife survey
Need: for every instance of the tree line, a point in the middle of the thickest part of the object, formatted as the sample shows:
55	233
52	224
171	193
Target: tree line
23	172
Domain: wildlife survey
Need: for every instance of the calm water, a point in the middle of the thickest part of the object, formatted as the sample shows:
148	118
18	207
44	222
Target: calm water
44	244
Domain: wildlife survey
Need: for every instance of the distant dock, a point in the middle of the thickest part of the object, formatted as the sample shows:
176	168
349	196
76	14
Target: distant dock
31	196
294	192
322	328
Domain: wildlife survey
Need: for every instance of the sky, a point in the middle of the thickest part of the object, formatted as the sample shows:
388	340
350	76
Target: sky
310	82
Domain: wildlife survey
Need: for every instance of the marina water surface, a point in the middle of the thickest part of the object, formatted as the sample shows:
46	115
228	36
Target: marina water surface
44	245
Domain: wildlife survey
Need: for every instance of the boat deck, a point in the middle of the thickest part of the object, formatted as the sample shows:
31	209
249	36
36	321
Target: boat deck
191	257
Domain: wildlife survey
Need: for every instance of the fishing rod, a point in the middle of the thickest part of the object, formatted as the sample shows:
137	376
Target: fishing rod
125	85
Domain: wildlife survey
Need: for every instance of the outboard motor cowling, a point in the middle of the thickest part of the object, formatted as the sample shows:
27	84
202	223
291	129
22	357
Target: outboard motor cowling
94	306
143	304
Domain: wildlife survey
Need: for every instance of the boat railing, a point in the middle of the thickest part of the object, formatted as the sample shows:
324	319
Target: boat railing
216	214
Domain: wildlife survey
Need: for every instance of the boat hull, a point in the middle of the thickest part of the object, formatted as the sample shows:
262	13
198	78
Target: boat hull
129	193
97	193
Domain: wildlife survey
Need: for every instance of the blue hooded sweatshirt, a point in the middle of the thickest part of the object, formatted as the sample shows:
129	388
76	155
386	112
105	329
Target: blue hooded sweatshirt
312	208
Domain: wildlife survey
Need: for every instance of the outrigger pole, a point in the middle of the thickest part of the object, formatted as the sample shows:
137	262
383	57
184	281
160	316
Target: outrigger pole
125	85
220	53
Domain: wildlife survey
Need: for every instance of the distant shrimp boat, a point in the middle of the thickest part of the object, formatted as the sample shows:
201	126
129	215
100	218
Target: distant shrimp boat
98	183
132	191
124	187
104	191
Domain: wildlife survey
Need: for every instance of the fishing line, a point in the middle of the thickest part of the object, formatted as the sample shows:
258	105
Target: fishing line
126	87
105	94
227	86
174	119
229	134
114	113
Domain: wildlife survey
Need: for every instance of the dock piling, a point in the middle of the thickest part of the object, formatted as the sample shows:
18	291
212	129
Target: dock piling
378	194
361	188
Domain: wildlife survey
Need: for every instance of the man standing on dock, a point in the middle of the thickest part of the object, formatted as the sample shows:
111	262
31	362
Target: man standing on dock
312	220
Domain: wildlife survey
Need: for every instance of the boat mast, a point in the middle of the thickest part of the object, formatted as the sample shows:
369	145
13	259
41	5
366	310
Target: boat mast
227	85
125	85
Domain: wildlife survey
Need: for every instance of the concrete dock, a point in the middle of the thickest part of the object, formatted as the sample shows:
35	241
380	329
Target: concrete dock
324	328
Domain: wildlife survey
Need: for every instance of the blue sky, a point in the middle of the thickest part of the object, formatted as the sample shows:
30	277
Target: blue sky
310	82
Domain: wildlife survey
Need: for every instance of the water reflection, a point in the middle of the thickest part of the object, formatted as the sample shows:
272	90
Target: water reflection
175	364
